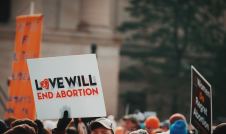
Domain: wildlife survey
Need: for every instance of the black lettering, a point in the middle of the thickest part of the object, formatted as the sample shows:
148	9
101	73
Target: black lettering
79	81
52	82
37	87
84	82
71	81
91	81
60	82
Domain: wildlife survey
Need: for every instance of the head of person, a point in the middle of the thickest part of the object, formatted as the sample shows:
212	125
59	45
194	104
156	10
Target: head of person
165	125
71	130
27	122
179	127
9	121
41	129
21	129
119	130
139	131
101	126
130	123
175	117
3	126
220	129
152	123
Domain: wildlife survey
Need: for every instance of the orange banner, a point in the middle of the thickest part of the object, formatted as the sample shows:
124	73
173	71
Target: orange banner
27	45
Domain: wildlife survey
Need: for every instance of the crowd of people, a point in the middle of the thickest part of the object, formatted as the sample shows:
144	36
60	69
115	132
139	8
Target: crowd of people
129	124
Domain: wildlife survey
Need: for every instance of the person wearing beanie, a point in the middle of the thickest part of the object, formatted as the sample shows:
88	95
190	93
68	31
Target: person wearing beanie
152	123
175	117
179	127
220	129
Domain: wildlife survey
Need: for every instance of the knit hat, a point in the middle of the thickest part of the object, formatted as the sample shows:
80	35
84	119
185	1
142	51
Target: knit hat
152	122
175	117
178	127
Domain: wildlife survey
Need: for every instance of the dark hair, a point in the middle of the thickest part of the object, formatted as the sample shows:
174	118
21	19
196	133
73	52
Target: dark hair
71	130
27	122
220	129
21	129
3	127
96	125
9	120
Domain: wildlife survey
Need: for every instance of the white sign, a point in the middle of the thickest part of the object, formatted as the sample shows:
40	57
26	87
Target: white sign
69	83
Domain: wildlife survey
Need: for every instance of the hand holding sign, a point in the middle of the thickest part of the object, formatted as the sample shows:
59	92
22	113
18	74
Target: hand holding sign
63	123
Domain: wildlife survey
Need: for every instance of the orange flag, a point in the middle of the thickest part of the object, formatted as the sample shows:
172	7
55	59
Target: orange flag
27	45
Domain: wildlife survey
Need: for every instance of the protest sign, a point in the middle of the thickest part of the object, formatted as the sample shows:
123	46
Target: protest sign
27	45
201	103
69	83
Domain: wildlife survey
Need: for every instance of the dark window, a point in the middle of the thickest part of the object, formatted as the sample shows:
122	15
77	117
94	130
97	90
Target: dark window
4	10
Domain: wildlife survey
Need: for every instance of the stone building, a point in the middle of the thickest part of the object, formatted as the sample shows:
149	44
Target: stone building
70	27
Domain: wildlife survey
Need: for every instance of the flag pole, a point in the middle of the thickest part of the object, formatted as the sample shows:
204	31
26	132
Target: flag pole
32	7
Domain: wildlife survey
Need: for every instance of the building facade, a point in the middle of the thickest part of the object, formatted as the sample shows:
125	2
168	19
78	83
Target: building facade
70	27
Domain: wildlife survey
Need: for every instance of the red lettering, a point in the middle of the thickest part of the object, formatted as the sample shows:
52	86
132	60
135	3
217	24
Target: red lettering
58	95
50	95
69	93
88	91
63	94
75	93
39	96
80	92
45	95
95	91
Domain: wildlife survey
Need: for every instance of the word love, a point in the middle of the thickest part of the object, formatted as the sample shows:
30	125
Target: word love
63	82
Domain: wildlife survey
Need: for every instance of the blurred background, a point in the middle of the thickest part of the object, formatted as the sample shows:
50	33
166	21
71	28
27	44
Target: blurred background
144	48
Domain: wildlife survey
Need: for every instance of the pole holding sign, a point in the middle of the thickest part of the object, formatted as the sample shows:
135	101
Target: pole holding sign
67	83
201	103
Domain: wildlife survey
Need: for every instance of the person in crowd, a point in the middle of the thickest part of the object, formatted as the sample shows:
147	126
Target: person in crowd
41	129
220	129
175	117
152	124
102	126
21	129
179	127
165	125
3	127
119	130
27	122
9	120
130	123
62	124
139	131
71	130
